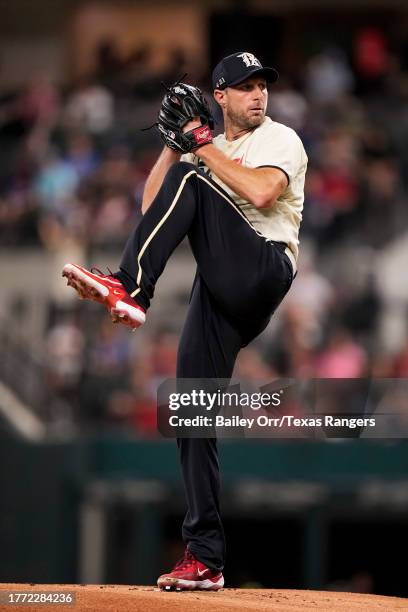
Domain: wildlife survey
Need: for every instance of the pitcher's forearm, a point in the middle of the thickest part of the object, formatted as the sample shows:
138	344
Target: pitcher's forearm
155	179
260	186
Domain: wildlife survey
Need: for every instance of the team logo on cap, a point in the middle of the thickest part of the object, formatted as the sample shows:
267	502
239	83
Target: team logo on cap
249	59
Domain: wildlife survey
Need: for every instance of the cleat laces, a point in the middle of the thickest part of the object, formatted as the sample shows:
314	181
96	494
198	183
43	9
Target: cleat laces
185	562
95	270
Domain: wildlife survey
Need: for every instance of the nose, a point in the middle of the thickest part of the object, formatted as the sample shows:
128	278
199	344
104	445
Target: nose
257	93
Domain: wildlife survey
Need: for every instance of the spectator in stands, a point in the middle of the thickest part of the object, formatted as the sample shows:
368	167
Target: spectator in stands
328	76
343	357
89	108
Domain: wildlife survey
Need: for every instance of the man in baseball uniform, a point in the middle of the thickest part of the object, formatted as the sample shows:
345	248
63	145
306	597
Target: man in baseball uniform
238	198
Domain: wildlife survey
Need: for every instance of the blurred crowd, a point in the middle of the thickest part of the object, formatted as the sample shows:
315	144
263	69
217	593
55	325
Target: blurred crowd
73	166
74	158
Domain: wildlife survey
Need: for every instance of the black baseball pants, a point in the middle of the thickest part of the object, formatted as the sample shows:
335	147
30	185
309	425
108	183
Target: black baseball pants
241	279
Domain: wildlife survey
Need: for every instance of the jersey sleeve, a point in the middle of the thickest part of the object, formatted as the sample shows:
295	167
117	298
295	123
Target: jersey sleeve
281	150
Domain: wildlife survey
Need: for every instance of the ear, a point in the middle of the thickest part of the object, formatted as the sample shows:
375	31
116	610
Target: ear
219	96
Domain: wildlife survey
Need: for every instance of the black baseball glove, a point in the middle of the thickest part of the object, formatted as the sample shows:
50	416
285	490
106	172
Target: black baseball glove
181	104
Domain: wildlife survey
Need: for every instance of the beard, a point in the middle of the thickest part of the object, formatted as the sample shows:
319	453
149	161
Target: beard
243	121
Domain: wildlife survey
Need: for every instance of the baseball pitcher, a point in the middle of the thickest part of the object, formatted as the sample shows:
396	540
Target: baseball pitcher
238	198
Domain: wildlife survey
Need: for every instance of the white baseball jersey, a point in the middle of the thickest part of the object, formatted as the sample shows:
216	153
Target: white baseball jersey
277	146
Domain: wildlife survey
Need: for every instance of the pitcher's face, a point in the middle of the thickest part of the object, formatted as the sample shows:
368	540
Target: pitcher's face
245	104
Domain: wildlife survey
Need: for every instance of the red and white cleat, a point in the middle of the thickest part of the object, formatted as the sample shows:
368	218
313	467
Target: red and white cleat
107	290
189	574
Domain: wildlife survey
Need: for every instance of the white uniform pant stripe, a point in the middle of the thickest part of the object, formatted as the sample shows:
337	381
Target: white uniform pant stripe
156	229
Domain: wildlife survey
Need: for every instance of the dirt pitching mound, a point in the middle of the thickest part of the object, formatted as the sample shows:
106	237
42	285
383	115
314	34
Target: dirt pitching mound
120	598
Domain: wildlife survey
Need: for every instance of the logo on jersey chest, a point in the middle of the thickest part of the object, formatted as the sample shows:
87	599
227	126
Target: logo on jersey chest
201	165
249	59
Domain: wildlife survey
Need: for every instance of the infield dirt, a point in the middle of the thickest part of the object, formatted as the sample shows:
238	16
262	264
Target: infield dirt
123	598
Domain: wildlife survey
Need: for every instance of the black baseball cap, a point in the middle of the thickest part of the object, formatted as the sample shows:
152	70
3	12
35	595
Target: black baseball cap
237	67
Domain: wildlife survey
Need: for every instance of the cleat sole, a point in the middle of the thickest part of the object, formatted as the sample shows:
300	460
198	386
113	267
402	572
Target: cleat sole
179	584
88	288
